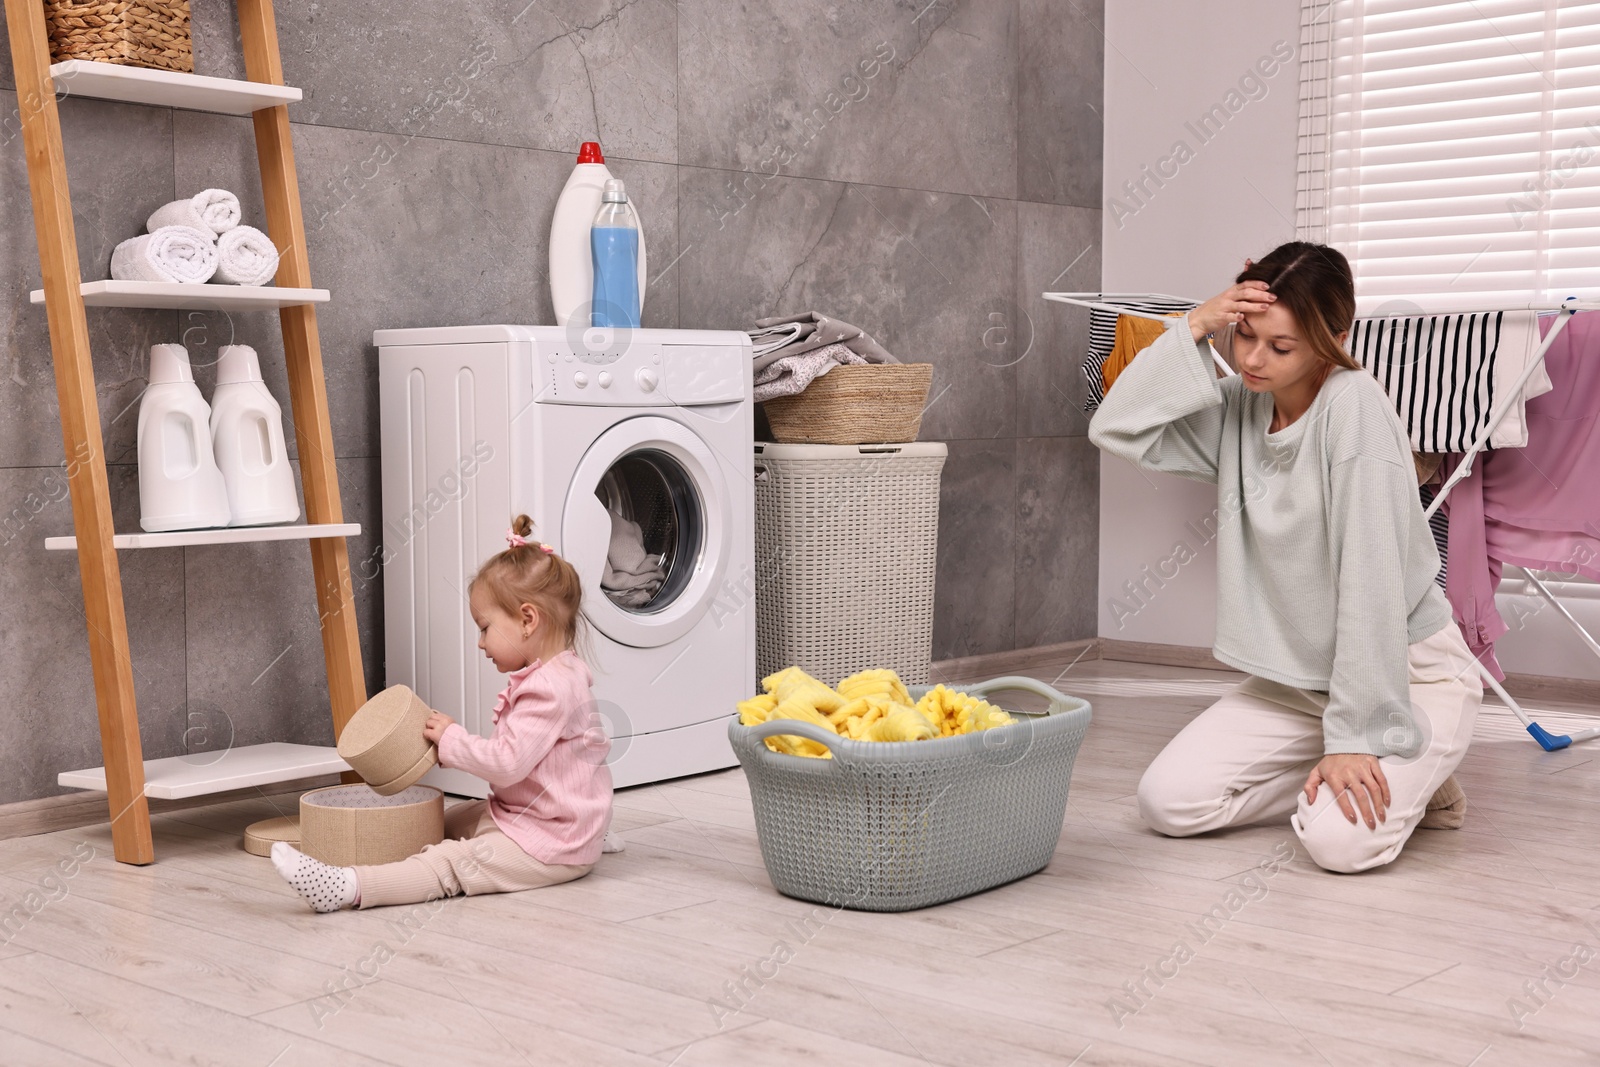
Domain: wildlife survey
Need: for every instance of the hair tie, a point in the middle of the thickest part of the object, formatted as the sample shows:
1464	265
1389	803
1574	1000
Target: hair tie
516	540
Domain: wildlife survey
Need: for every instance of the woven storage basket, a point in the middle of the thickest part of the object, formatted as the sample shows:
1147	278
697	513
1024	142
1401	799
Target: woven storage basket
855	405
383	741
896	825
349	824
138	33
845	547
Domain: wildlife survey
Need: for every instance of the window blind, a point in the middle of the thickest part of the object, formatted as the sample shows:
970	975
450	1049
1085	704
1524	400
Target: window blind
1453	149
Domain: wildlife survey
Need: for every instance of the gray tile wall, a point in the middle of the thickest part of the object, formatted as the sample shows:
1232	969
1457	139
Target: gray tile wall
922	169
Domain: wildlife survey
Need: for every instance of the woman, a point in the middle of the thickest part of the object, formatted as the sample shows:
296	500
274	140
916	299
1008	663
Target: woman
1362	694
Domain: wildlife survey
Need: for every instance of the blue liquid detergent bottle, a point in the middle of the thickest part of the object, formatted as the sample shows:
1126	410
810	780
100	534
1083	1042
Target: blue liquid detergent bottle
614	241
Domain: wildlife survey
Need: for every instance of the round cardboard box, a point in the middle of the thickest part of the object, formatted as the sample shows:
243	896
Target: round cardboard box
346	825
259	837
383	741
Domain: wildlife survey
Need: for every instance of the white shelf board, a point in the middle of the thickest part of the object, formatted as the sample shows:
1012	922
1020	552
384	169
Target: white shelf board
200	773
225	535
110	293
165	88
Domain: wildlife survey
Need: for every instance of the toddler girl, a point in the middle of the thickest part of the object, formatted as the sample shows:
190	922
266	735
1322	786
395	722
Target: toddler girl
546	815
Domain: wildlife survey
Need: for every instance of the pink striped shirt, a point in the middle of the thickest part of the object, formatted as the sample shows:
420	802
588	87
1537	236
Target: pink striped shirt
545	763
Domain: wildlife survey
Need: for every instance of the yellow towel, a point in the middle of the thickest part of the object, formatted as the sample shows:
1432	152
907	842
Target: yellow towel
870	683
901	723
1134	335
792	682
799	709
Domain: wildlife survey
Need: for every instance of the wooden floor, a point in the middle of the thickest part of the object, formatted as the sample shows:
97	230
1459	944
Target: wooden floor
207	957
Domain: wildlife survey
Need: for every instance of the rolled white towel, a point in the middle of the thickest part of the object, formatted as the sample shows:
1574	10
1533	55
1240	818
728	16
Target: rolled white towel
214	210
246	256
169	254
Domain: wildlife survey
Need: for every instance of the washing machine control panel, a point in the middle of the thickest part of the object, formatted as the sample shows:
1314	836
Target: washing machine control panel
608	367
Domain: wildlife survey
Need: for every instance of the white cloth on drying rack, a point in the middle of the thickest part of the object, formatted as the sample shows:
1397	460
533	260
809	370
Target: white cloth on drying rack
1445	374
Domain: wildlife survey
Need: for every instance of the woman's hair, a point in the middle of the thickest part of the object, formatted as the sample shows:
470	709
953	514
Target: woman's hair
1315	283
527	574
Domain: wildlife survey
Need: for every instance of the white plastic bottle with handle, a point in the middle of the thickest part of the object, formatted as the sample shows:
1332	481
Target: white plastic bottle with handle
247	436
180	487
571	258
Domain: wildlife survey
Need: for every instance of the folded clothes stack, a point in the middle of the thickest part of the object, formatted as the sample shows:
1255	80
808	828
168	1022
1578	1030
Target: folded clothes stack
791	351
196	240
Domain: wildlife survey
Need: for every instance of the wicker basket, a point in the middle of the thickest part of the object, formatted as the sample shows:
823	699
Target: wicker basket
346	825
896	825
137	33
847	546
855	405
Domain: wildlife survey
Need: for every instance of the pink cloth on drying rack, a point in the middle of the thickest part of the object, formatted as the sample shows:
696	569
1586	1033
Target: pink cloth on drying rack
1536	507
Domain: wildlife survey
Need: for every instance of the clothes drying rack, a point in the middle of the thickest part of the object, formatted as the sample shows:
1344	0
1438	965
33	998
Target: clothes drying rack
1565	308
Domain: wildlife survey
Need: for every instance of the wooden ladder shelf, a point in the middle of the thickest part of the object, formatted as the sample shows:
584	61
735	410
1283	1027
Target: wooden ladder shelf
124	776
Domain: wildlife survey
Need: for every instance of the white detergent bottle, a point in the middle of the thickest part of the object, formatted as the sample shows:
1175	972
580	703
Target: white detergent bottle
571	258
247	436
180	487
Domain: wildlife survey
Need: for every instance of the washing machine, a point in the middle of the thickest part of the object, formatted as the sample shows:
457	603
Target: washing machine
630	451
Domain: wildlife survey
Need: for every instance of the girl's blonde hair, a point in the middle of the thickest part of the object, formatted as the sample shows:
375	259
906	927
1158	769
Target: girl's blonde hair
527	574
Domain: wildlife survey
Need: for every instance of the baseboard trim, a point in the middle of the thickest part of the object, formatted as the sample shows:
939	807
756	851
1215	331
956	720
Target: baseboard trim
1016	661
1165	655
24	818
1548	687
1529	687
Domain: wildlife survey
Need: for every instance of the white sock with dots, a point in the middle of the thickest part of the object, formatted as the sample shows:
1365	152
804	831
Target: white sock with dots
326	888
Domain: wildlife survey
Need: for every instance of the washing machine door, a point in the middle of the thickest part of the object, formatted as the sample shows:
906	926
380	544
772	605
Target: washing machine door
646	524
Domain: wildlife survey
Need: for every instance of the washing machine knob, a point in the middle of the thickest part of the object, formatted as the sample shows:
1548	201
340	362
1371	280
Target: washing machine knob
580	379
604	378
646	378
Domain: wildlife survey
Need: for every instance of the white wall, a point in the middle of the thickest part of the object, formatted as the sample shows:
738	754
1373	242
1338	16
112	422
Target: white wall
1187	231
1230	196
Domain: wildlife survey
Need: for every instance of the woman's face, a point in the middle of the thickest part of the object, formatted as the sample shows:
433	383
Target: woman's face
1270	354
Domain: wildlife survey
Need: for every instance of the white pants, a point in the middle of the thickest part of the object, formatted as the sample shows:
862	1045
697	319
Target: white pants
1245	759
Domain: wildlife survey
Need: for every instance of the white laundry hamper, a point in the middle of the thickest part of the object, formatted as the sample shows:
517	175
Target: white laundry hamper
846	542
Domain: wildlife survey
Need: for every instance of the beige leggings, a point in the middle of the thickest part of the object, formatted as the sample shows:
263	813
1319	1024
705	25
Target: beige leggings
474	857
1245	759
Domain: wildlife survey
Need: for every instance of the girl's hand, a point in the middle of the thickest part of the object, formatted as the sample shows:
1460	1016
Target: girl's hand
1231	305
435	726
1353	774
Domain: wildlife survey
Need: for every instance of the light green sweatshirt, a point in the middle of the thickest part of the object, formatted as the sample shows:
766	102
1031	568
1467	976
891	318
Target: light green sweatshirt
1325	565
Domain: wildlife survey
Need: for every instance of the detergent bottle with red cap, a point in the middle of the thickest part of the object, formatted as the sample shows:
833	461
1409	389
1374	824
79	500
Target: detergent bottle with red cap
571	254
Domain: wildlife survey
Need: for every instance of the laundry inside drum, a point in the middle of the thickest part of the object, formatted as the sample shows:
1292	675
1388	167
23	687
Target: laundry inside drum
657	530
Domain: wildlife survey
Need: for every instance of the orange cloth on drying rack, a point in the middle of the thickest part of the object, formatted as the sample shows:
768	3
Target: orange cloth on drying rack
1134	335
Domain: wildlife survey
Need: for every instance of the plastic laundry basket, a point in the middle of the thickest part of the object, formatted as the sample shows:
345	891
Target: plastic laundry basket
846	537
896	825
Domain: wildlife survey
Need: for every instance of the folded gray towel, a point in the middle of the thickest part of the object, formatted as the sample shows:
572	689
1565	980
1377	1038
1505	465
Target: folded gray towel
791	373
824	332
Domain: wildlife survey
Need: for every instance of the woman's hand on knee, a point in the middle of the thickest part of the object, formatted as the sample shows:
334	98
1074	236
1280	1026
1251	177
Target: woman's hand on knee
1353	774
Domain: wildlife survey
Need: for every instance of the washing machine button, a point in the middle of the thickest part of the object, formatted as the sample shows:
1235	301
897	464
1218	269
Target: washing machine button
604	378
646	378
580	379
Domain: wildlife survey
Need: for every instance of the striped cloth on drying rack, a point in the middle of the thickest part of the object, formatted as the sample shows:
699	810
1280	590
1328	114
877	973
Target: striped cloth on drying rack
1444	373
1103	335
